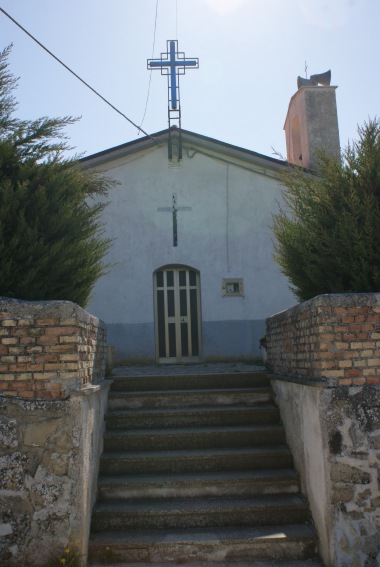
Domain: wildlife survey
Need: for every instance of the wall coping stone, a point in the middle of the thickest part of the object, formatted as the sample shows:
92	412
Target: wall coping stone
56	308
90	389
332	300
313	382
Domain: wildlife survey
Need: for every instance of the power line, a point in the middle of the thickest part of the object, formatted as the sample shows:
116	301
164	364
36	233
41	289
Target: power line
176	19
75	75
151	71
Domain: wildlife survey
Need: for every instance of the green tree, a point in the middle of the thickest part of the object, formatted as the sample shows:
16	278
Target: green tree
328	231
51	237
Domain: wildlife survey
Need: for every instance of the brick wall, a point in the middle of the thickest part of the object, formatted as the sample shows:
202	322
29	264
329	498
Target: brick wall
335	338
49	348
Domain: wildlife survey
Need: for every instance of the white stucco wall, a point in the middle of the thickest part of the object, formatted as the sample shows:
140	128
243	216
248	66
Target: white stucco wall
227	234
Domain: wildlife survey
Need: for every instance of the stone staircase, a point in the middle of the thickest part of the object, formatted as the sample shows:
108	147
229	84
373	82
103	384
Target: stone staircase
195	470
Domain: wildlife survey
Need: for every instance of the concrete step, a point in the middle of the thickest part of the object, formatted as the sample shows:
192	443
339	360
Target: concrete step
199	513
192	438
196	470
192	417
189	398
301	563
200	460
215	546
197	485
192	382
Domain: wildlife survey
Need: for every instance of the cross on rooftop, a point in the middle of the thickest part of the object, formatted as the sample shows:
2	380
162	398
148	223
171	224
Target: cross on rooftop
173	63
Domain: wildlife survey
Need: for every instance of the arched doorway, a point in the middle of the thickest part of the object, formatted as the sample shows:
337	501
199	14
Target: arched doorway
177	314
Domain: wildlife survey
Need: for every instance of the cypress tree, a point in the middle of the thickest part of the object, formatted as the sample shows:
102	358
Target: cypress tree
51	235
328	231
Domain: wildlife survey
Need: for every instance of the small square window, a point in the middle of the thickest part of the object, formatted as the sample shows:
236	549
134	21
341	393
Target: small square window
232	287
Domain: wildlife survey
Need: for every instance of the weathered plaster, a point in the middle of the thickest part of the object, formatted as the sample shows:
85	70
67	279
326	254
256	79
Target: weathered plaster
48	468
334	437
300	412
311	125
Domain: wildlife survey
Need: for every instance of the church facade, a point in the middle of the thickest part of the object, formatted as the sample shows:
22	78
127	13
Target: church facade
192	277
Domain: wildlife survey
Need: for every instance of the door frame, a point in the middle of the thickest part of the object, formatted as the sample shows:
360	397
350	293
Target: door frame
178	359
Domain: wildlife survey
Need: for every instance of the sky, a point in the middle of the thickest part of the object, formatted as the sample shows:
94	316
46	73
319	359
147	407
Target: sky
250	55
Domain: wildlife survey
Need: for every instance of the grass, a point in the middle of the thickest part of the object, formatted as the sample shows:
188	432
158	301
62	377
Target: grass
71	556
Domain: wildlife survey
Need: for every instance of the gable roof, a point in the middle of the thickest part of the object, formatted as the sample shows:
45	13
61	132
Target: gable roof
191	142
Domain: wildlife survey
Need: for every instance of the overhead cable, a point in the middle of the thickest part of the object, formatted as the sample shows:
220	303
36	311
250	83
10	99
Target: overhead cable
75	75
151	71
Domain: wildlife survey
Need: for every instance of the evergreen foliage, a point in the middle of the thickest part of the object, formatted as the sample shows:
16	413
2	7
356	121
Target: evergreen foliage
51	237
328	232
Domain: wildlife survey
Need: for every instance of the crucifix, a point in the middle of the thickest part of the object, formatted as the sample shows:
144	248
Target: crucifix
174	209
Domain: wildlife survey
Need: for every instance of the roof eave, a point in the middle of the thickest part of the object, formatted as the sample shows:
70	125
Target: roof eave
188	138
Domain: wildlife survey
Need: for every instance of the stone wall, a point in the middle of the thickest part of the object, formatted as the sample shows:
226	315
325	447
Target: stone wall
325	357
52	404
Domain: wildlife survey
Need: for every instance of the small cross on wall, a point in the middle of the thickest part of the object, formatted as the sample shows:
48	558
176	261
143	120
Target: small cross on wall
174	210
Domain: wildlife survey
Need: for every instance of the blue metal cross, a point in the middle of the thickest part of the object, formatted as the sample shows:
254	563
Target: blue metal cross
172	65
